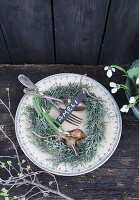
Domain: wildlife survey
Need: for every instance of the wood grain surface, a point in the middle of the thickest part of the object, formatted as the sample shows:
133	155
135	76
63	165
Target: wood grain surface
79	28
4	57
121	40
117	179
89	32
27	27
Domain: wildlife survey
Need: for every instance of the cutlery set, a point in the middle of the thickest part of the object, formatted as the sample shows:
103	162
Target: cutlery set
70	105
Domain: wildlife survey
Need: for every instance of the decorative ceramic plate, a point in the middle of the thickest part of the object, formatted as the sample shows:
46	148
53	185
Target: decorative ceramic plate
106	147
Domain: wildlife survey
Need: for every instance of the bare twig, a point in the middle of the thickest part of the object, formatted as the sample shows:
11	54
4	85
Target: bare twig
7	156
13	147
24	195
14	168
1	102
86	90
8	171
28	178
50	190
56	183
12	186
9	98
34	195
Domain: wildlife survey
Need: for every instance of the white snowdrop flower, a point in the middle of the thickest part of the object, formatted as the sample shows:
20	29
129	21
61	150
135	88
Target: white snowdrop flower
115	87
113	69
124	109
137	81
106	68
109	71
112	84
114	90
132	100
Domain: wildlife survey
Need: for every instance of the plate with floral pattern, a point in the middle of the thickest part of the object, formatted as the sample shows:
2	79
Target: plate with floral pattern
42	158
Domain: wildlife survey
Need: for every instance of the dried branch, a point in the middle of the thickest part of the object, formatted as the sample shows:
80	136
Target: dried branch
35	195
50	190
19	163
9	97
1	102
24	175
7	156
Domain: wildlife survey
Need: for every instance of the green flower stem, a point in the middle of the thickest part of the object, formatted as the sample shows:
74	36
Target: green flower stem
131	105
39	91
126	74
137	91
50	123
55	121
126	88
120	68
36	104
132	82
136	97
36	107
42	114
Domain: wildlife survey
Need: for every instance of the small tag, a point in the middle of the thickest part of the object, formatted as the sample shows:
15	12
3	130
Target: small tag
71	107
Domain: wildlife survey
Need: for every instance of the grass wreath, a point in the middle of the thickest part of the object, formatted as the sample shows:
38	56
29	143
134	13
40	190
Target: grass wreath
95	127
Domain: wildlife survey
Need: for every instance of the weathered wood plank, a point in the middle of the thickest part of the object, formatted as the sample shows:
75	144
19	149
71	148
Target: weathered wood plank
99	186
121	41
79	28
27	27
4	57
118	178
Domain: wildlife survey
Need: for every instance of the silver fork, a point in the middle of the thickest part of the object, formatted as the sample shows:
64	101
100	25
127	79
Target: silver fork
73	119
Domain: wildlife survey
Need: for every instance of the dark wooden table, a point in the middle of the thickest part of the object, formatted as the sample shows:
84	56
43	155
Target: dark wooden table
118	177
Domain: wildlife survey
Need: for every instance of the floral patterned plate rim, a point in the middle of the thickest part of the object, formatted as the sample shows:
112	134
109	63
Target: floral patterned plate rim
105	150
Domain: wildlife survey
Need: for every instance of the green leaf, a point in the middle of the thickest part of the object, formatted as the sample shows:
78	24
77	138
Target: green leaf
28	167
137	65
23	161
9	162
2	165
45	194
20	174
133	72
2	194
4	190
50	183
